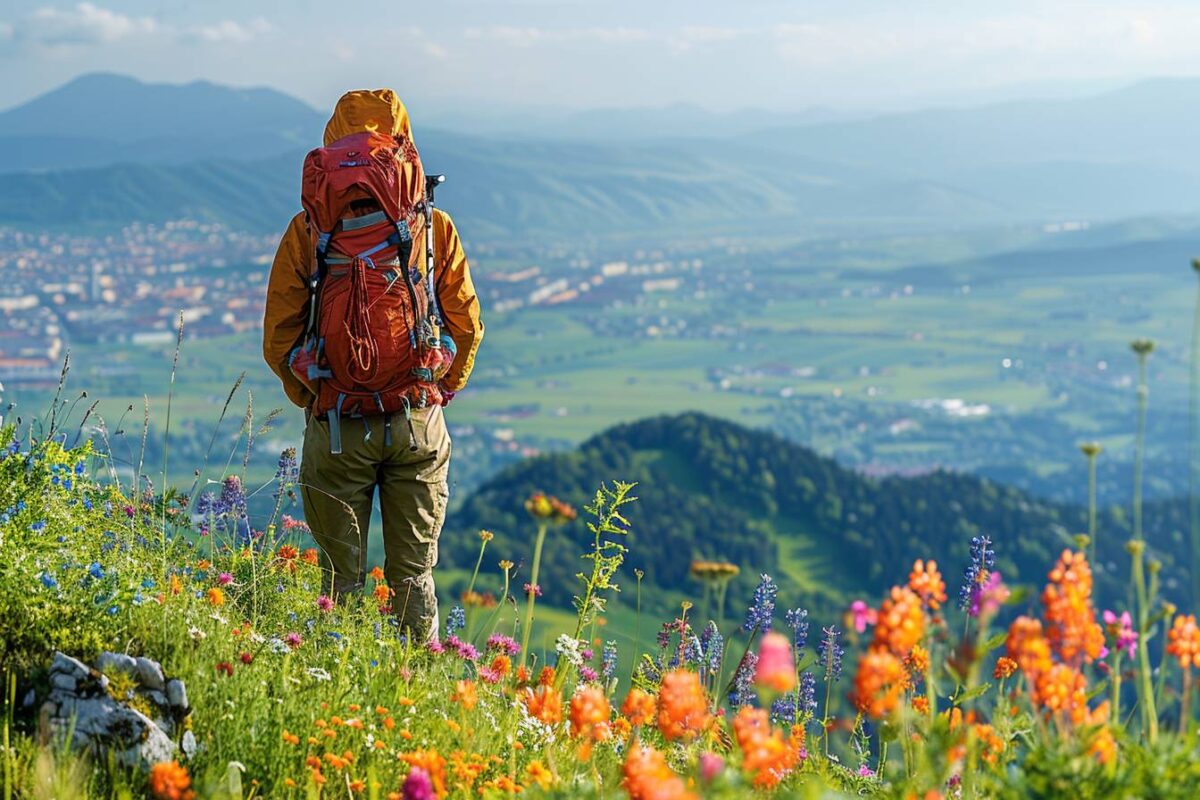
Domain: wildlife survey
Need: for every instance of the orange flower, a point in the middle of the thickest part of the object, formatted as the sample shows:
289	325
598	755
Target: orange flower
590	714
901	622
433	763
682	706
216	597
920	704
1103	746
170	781
1005	667
1027	645
376	573
382	592
879	682
546	676
1183	641
537	775
926	581
543	704
175	584
917	661
639	707
766	754
464	692
648	777
991	743
1062	689
311	556
1071	623
291	738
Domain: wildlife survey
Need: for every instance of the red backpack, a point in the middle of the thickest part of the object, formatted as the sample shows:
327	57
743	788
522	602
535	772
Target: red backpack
373	344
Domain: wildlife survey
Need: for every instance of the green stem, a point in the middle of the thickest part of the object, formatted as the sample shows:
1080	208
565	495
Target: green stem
1145	686
531	595
1092	505
1116	686
1194	448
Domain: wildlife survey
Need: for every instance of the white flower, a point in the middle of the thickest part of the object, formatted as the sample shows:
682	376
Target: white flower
568	648
196	634
318	674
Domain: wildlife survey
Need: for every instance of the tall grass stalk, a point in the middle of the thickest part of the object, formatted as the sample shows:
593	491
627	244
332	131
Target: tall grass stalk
167	441
531	595
1092	450
1142	348
1194	447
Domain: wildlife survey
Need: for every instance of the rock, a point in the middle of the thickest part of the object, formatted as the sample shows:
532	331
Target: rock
63	664
112	663
189	745
177	694
150	673
63	682
30	699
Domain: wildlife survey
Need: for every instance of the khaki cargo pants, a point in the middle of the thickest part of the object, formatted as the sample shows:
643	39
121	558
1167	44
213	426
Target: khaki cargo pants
338	492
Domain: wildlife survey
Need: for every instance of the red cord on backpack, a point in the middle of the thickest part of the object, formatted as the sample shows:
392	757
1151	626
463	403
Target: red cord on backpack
364	351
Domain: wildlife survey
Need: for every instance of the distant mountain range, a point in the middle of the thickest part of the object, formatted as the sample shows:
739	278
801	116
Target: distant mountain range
104	150
711	489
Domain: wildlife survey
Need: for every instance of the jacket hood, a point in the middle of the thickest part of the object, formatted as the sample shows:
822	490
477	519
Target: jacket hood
368	110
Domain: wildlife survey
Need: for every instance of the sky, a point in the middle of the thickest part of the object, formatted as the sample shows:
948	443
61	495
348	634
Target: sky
781	55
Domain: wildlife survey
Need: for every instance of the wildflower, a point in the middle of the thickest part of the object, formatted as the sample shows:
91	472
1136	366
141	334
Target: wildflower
216	598
498	670
464	693
382	592
683	710
543	704
917	661
1071	621
293	640
992	743
48	580
1183	641
418	785
901	621
988	596
608	660
456	620
639	707
1005	667
568	649
324	604
926	581
1120	629
170	781
766	755
711	766
776	669
983	560
714	571
96	571
225	668
486	536
590	714
879	682
762	606
920	704
797	620
1027	645
647	776
503	644
224	579
537	775
741	694
534	589
311	556
588	675
287	472
1063	689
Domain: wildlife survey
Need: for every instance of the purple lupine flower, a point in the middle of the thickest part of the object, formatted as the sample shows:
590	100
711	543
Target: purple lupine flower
830	653
762	607
693	651
287	472
714	646
806	694
797	620
983	559
608	660
784	709
742	692
456	620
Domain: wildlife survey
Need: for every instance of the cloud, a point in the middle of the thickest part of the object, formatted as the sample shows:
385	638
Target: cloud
230	32
690	37
529	36
86	23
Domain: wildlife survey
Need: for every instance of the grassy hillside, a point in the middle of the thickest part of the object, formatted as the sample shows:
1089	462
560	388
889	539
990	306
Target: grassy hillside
712	489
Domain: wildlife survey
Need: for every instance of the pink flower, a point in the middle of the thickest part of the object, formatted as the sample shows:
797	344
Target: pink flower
588	674
776	669
293	640
987	597
418	785
711	767
505	644
1121	629
324	603
293	524
224	579
436	647
534	588
865	771
862	615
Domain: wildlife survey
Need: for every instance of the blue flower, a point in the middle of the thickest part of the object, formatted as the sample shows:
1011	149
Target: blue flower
39	526
113	611
48	581
147	583
797	620
762	607
79	468
456	620
95	570
742	693
983	560
608	659
807	693
714	646
830	652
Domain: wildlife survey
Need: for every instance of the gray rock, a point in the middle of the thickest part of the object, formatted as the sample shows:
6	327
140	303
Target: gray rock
177	694
63	682
150	673
63	664
30	699
158	698
189	745
112	663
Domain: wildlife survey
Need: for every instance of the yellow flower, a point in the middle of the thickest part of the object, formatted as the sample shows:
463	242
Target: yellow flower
216	597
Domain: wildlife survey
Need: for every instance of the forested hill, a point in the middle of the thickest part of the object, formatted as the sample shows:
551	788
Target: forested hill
709	488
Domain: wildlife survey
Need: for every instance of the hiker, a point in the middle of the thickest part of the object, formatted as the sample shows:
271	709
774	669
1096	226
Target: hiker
372	346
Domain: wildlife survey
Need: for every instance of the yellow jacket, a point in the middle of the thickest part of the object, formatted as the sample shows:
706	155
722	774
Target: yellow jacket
286	311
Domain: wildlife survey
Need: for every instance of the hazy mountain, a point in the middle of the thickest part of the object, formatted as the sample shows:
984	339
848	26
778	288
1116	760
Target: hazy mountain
100	119
709	488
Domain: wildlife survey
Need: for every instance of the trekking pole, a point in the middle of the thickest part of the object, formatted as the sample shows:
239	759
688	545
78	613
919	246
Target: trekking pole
431	183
